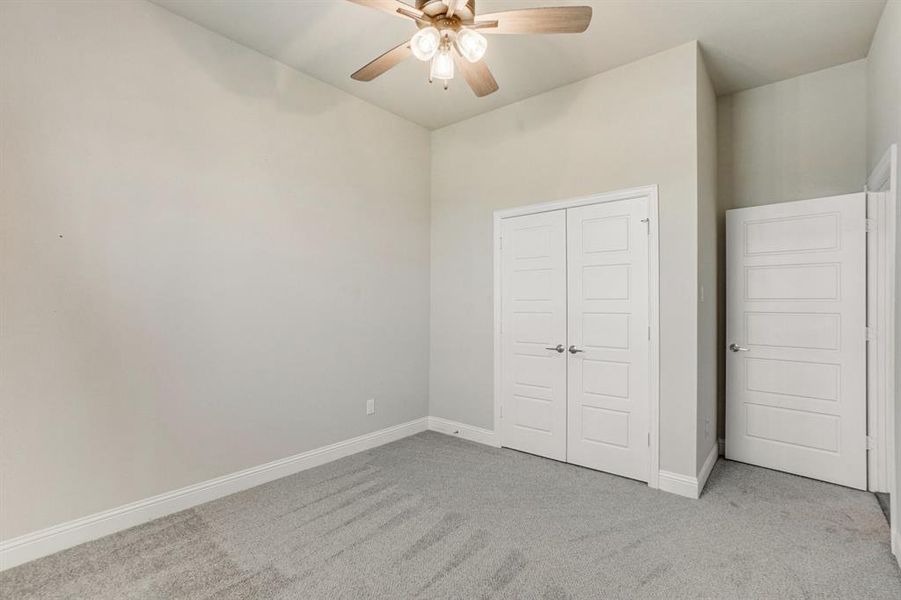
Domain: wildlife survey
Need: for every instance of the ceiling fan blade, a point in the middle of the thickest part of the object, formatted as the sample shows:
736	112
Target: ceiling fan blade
389	6
561	19
477	76
383	63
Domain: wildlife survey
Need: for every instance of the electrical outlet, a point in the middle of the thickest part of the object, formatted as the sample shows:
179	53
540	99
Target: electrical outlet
370	406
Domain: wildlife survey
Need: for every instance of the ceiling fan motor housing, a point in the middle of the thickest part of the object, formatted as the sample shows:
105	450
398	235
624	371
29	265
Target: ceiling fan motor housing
436	8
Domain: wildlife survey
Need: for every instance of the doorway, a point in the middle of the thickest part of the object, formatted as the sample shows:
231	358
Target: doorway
576	331
796	329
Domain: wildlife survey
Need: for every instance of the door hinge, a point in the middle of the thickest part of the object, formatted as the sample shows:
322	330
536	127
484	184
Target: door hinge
870	333
647	223
649	438
649	332
869	225
501	242
502	411
871	443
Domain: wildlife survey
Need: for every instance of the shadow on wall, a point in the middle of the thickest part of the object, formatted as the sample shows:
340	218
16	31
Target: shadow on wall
239	71
724	158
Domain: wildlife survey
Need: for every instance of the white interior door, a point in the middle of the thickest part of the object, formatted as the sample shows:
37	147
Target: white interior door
533	333
609	376
796	317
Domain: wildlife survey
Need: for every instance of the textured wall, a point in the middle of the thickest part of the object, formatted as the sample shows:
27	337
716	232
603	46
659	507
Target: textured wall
209	260
635	125
796	139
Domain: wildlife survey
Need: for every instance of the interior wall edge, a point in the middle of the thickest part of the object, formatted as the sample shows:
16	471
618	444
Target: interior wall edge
686	485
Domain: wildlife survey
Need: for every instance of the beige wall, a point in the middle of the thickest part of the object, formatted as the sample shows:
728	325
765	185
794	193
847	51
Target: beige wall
209	261
632	126
709	213
883	124
800	138
883	130
205	254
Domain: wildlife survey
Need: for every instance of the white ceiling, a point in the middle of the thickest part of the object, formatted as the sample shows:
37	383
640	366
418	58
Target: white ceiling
746	43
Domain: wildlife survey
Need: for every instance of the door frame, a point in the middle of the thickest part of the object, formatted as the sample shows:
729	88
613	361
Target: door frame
883	189
649	192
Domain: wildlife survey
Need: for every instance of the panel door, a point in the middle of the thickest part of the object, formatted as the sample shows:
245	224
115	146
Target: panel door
533	333
796	317
609	377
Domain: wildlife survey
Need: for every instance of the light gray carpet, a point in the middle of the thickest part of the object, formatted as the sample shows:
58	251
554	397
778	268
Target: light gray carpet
436	517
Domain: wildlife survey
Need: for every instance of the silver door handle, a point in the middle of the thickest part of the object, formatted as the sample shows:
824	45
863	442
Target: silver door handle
559	348
574	350
736	348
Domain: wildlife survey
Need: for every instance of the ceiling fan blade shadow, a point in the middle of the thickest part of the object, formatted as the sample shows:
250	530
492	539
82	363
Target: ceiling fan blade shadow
389	6
477	75
383	63
560	19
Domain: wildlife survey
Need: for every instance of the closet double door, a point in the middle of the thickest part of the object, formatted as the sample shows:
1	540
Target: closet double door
575	336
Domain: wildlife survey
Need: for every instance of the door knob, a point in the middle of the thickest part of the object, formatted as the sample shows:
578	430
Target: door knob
558	348
574	350
736	348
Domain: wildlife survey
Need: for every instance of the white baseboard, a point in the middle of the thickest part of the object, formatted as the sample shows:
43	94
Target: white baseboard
467	432
34	545
684	485
676	483
896	546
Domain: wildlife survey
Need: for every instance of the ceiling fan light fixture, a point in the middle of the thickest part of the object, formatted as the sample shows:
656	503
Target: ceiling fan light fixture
425	42
450	39
472	45
442	66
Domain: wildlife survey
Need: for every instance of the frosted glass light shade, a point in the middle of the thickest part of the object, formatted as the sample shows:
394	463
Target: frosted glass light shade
424	43
472	45
442	66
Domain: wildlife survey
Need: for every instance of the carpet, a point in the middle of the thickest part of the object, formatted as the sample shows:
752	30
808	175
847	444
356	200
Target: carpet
432	516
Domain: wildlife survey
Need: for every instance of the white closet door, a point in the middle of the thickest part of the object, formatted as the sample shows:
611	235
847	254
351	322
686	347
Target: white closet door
533	325
609	376
796	317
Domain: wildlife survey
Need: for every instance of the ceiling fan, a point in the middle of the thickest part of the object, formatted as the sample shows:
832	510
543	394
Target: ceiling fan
449	36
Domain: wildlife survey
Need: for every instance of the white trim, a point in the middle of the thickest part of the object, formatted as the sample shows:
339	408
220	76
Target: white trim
654	322
34	545
896	545
681	485
880	288
885	185
467	432
690	487
649	192
531	209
